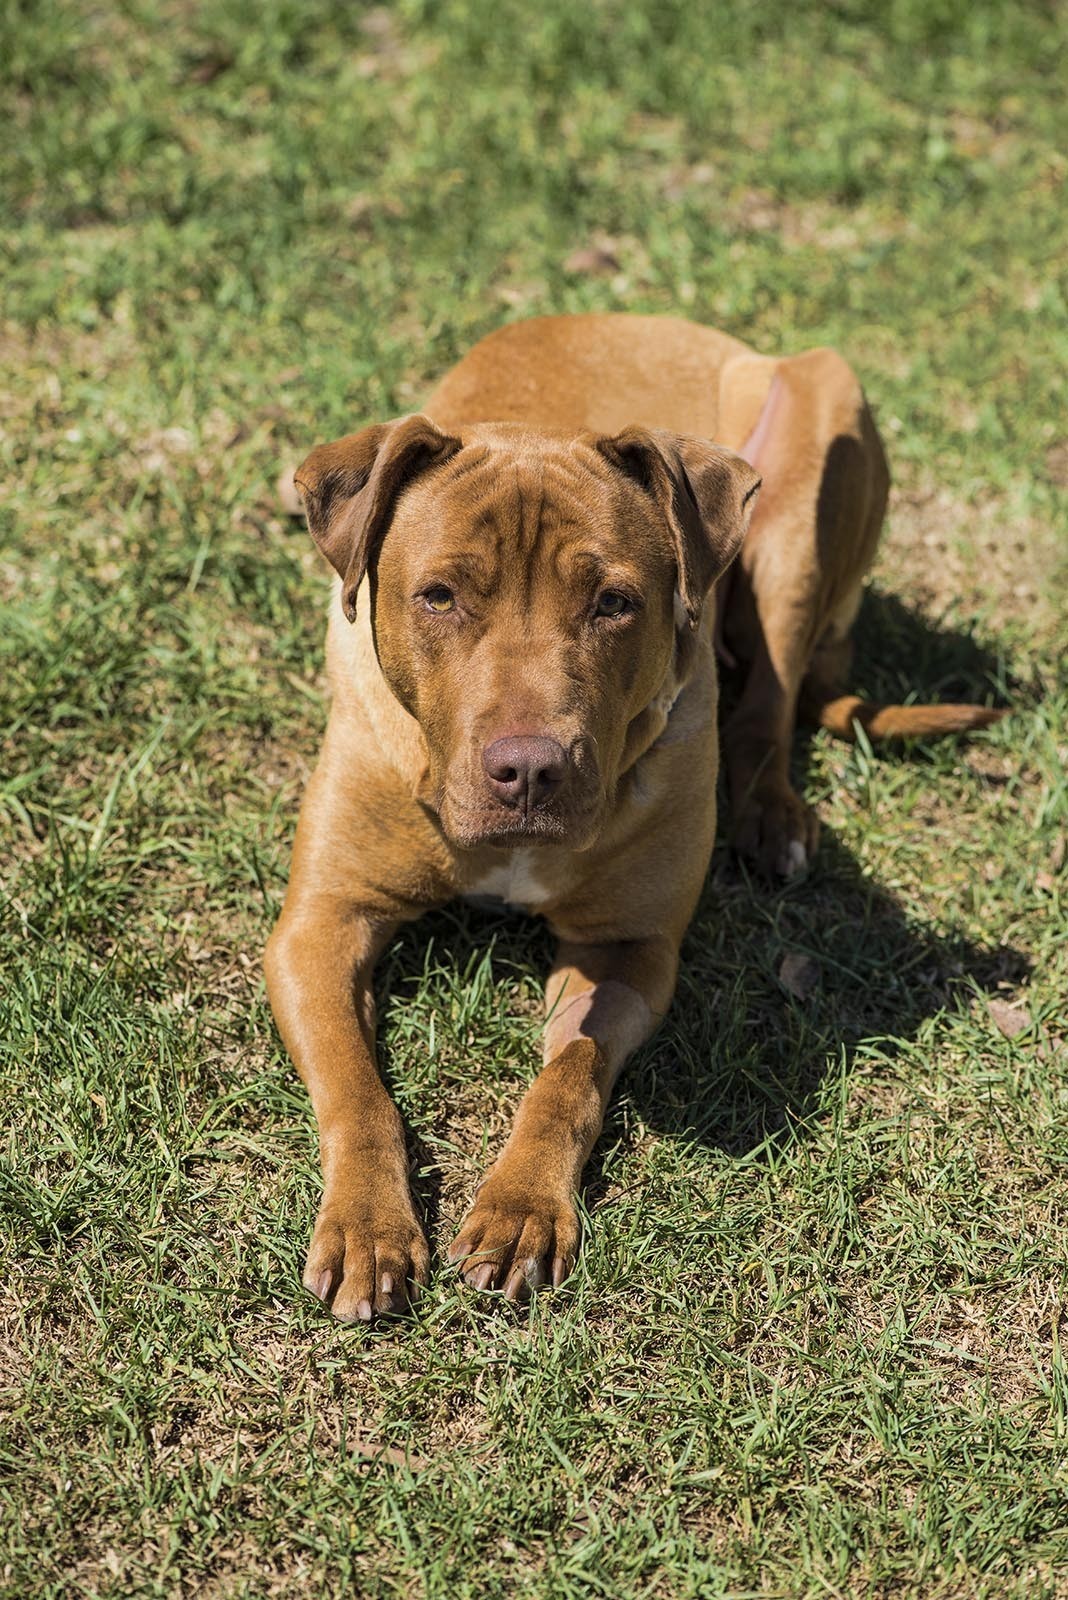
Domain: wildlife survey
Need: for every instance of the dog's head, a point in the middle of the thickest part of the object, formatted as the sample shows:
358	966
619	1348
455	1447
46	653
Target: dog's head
529	592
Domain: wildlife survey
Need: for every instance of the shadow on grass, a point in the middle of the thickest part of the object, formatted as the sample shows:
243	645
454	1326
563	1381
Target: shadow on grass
900	654
739	1062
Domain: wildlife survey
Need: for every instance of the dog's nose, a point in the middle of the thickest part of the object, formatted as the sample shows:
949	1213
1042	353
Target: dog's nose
525	771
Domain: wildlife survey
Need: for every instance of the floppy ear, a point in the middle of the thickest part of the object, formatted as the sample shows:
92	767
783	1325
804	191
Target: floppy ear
351	487
706	493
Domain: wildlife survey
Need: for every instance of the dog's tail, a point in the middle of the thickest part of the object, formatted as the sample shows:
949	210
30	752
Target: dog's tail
845	713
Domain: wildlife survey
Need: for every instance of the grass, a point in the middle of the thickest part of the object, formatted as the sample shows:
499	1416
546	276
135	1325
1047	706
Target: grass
814	1346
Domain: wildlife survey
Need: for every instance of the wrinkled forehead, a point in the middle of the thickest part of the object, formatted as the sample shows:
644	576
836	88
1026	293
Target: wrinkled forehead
514	495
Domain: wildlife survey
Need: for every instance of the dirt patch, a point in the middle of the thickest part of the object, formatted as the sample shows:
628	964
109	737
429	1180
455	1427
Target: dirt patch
827	227
948	554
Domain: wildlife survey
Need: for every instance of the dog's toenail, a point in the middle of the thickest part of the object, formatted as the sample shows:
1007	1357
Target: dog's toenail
796	857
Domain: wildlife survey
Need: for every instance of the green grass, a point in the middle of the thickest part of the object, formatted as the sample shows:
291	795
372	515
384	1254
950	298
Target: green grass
814	1346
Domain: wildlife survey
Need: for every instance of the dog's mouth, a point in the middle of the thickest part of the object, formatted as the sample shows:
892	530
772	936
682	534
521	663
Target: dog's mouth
468	825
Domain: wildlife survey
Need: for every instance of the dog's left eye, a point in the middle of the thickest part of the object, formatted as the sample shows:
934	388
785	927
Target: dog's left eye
439	600
610	603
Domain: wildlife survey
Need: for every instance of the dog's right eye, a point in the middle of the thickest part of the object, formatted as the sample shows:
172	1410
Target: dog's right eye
610	603
439	600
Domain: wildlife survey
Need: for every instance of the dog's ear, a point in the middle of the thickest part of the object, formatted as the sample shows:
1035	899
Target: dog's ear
706	493
350	488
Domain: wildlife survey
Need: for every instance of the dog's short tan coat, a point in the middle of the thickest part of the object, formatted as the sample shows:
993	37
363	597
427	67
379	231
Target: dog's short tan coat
543	561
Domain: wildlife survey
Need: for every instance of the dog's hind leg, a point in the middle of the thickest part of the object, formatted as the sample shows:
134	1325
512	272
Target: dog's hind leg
770	825
798	575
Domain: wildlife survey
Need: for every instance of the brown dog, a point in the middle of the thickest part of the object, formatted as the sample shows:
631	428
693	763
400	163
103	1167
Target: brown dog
522	651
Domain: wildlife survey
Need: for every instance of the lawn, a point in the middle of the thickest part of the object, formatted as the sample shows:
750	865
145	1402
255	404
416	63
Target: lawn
815	1343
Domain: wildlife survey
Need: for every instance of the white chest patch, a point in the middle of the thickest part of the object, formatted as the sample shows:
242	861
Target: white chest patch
514	881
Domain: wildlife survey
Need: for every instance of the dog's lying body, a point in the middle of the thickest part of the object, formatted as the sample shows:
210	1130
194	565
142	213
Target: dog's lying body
525	706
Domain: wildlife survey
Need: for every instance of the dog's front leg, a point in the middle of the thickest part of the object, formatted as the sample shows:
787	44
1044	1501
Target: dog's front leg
368	1253
603	1002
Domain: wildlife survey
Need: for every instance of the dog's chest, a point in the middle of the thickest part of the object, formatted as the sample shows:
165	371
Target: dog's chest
513	881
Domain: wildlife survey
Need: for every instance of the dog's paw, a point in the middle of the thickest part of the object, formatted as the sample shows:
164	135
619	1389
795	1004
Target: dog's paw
516	1241
366	1258
776	833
